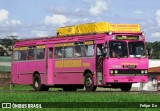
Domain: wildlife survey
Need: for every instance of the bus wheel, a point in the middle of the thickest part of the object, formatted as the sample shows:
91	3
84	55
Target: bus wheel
37	83
89	83
126	87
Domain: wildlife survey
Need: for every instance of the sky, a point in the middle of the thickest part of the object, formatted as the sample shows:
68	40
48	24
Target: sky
39	18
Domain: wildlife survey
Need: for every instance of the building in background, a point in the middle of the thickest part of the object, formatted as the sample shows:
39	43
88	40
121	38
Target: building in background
5	70
154	77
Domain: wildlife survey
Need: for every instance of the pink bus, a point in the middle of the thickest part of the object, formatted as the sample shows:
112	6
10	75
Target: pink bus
109	60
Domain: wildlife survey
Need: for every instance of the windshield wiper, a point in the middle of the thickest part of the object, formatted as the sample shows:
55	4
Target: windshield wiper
116	54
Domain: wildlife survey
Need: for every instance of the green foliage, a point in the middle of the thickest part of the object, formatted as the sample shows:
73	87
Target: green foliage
7	42
156	49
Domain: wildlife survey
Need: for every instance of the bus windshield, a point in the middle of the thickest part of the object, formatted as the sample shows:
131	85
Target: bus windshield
118	49
136	49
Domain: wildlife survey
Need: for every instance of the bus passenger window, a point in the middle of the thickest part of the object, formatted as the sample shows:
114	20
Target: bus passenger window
31	53
78	49
68	52
89	50
15	56
58	52
23	55
40	53
50	52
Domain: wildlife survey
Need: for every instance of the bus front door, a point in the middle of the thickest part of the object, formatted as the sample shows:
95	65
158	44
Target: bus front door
99	64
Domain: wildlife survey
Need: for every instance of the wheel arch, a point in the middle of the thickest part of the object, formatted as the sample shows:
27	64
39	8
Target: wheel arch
84	73
87	71
34	73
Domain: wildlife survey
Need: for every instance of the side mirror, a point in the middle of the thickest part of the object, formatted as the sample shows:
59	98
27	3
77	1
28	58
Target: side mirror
150	52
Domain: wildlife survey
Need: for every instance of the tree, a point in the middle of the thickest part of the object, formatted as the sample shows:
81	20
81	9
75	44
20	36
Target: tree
156	49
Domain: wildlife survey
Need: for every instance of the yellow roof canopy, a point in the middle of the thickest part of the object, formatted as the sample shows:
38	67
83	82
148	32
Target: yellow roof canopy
98	27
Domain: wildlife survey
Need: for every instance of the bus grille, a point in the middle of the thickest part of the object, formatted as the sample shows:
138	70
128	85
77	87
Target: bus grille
129	71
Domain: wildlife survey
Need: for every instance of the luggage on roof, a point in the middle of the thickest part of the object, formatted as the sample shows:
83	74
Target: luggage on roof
97	27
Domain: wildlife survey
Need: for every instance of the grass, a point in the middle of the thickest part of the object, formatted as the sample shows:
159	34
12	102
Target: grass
77	97
24	94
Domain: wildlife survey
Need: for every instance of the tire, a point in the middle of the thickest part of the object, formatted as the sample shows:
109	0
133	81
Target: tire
69	88
89	82
126	87
37	85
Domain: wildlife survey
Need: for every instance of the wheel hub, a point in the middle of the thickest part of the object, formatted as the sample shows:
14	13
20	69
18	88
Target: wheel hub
36	84
88	81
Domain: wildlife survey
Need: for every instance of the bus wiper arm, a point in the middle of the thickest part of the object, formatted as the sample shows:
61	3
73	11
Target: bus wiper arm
116	54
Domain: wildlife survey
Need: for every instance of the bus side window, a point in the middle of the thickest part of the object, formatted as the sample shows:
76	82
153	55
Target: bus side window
16	55
23	55
68	51
58	52
31	53
78	49
50	53
40	53
89	50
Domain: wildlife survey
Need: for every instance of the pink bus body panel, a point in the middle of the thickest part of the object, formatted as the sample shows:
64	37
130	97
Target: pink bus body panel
113	62
72	75
22	72
50	77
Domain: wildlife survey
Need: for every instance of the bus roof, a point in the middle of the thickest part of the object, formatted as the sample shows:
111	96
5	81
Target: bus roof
55	39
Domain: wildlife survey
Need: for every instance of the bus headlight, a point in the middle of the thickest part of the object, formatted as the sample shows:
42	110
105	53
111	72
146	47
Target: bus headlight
111	71
146	71
116	71
142	71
